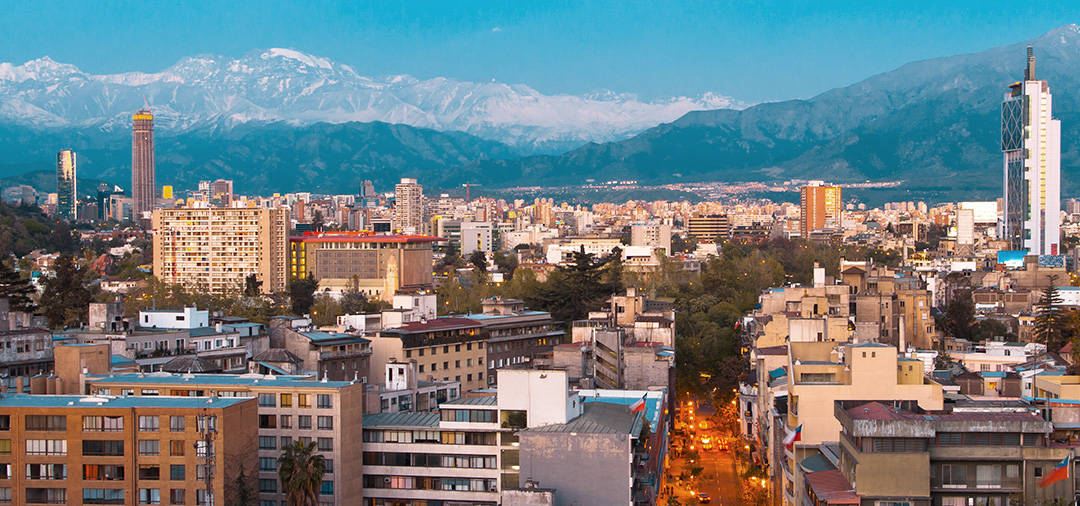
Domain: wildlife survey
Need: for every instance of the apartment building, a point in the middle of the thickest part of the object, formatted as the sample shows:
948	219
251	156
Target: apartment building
708	228
445	349
285	409
948	458
402	391
215	249
515	335
331	355
447	457
69	449
823	372
376	265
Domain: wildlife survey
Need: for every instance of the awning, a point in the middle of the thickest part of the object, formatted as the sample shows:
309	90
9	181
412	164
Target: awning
832	487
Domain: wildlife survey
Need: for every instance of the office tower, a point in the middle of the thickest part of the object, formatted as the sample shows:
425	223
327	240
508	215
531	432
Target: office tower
66	196
708	228
409	206
1031	143
213	249
142	164
221	192
367	189
820	207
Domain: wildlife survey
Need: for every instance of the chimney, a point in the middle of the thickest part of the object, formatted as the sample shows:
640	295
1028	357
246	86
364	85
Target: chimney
1029	72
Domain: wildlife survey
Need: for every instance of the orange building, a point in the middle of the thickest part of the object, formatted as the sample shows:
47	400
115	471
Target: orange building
821	208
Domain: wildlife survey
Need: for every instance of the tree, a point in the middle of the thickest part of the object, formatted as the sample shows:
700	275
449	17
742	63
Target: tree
507	263
1049	319
243	493
65	299
317	221
252	286
478	259
302	294
959	315
301	472
573	290
17	290
325	310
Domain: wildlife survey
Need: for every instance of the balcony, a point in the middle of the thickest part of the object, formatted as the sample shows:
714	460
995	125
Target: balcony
332	355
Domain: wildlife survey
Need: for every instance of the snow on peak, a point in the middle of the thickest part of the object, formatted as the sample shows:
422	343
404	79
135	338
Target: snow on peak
41	69
292	54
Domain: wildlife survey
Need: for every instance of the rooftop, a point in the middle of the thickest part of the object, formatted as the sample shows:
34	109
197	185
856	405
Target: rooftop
402	419
162	378
372	238
598	418
486	400
103	401
444	323
322	336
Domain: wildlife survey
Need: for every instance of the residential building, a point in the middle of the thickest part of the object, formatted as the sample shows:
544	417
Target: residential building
408	207
821	207
143	183
447	349
476	236
402	391
331	355
376	265
67	191
652	235
282	409
73	449
215	249
1031	147
515	335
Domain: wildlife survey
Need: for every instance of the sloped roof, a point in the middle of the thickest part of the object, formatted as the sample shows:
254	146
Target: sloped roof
598	418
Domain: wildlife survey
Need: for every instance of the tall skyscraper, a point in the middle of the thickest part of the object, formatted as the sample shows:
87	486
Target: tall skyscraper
1031	143
66	188
409	206
142	164
821	207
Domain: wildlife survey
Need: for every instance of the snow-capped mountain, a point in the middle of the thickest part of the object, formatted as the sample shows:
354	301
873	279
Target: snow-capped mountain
288	85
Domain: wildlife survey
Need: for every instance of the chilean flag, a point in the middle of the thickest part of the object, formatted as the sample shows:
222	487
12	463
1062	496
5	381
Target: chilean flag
1058	473
796	435
639	405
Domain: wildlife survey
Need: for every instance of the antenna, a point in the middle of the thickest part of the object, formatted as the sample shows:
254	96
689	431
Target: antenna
146	103
207	425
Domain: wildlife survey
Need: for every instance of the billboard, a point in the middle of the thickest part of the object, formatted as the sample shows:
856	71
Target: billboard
1012	259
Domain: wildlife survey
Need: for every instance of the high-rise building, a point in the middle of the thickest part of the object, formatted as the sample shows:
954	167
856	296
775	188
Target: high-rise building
214	249
142	164
409	206
821	207
66	187
377	265
1031	143
708	228
221	192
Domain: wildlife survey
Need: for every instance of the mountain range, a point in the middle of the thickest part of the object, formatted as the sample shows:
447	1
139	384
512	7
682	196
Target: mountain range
280	120
286	85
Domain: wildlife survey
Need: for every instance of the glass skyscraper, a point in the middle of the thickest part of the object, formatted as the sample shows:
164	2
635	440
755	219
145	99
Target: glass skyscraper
66	187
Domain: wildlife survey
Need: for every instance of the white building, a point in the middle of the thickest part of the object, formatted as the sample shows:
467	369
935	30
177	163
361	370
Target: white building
187	318
409	206
1031	143
475	236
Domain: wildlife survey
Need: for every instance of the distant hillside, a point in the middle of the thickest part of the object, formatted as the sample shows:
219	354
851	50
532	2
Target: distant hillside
44	181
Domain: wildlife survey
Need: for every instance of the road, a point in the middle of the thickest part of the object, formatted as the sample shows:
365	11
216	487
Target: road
719	478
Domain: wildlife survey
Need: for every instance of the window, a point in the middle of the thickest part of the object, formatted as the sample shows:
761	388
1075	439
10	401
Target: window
5	495
149	423
445	365
5	447
327	488
326	444
51	423
267	485
150	391
285	441
206	423
149	472
328	465
176	496
99	496
148	447
177	424
102	424
94	472
303	401
267	443
324	401
201	448
326	423
267	464
266	401
434	367
5	422
285	421
176	472
286	400
176	448
44	472
420	352
47	446
149	496
267	422
304	421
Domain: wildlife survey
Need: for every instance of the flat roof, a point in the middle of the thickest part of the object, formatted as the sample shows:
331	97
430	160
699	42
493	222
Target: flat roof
486	400
105	401
599	417
164	378
402	419
319	336
374	238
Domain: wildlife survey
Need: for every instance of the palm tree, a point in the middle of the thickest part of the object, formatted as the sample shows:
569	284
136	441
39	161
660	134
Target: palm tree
301	471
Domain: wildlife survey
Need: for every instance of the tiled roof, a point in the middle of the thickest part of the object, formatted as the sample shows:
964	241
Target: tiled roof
831	486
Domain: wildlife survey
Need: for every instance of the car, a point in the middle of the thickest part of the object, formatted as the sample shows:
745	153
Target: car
703	498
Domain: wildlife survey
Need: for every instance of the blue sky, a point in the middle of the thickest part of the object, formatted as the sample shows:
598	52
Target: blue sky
750	50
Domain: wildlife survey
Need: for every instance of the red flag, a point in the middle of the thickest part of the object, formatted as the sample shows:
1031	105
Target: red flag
1058	473
639	405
